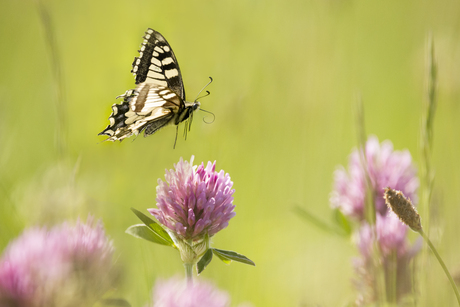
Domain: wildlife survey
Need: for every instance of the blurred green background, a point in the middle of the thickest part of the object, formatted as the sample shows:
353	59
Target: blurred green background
287	76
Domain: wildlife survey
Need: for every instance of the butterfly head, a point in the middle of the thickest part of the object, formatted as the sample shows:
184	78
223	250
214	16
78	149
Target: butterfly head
196	105
190	107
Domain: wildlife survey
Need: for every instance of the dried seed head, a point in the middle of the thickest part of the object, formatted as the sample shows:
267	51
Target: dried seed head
403	208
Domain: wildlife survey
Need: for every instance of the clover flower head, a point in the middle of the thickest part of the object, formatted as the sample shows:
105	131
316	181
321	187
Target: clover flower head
50	267
178	293
194	200
385	167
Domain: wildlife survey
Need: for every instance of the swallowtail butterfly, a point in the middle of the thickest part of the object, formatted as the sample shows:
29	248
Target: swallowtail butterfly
159	98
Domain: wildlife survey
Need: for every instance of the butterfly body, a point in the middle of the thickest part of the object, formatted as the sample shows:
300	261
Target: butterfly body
159	97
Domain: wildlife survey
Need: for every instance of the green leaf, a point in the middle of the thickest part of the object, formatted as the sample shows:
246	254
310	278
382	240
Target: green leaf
342	222
228	256
221	257
162	233
144	218
114	302
311	218
204	261
154	226
144	232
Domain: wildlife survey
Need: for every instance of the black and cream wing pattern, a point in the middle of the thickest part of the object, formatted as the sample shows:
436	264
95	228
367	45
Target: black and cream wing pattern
159	97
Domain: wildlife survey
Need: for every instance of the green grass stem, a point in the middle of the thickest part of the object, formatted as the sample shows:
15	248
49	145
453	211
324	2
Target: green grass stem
441	262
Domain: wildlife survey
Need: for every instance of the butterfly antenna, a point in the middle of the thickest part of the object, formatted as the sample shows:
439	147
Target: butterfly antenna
213	117
207	94
210	81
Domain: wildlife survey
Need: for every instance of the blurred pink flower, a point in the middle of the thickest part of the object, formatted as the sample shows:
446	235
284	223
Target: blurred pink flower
194	201
386	168
391	236
63	266
395	255
178	293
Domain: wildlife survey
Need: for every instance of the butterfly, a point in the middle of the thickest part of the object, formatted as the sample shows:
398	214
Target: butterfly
159	97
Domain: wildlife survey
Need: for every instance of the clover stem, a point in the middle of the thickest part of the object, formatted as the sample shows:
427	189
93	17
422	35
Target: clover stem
189	273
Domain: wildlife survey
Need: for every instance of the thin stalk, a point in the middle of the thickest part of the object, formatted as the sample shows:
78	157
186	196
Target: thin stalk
391	278
379	272
58	79
426	141
435	252
189	273
369	208
426	147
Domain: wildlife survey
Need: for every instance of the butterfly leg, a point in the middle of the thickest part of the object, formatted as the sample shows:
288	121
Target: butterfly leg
175	140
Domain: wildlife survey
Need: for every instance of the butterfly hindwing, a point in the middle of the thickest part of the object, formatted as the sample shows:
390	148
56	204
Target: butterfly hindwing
157	64
148	108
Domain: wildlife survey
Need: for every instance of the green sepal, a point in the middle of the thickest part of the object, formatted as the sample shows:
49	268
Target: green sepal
155	227
204	261
228	256
144	232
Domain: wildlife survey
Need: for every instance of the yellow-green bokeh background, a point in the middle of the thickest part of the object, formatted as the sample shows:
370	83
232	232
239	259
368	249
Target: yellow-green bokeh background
287	75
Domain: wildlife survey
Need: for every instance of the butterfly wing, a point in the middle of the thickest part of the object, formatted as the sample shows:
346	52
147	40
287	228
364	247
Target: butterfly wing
157	64
159	98
147	108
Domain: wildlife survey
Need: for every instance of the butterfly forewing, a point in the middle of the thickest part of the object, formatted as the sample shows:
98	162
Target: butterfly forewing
157	64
